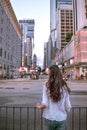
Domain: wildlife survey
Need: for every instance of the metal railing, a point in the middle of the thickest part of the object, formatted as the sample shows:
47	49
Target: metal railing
30	118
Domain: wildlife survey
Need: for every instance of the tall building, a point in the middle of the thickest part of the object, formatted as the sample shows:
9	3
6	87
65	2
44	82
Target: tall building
52	17
45	55
34	61
53	37
79	14
75	52
49	53
60	25
27	27
64	22
10	40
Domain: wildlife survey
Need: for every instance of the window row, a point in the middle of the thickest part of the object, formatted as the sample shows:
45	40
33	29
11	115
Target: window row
6	55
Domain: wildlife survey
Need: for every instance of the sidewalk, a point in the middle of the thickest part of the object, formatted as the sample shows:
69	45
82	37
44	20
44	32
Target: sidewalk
20	80
43	78
77	81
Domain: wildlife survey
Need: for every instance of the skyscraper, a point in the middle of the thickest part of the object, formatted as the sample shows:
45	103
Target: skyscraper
79	14
64	22
74	53
27	27
53	21
52	39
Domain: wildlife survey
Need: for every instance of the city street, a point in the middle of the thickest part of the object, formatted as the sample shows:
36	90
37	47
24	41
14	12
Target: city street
28	92
19	97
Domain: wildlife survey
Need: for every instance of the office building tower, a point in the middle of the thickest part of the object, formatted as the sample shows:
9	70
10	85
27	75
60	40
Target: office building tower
64	22
34	61
27	27
79	14
72	57
10	40
53	37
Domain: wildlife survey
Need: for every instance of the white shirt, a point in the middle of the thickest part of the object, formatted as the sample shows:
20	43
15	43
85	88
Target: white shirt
56	110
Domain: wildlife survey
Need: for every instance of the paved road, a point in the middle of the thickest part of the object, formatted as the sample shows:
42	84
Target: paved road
28	92
20	91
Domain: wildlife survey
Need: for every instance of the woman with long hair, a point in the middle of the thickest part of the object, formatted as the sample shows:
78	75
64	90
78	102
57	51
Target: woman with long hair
55	100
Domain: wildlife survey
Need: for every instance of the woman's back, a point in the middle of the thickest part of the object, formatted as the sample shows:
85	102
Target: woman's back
55	100
56	110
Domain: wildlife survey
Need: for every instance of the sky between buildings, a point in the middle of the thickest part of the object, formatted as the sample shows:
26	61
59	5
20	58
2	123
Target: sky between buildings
39	10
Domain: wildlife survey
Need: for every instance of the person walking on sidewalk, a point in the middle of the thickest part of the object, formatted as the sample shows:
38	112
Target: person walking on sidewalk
55	100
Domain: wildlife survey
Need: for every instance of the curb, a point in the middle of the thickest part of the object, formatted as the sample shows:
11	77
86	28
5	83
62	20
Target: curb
21	80
77	81
78	92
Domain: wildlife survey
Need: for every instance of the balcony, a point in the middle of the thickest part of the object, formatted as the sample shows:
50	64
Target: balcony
30	118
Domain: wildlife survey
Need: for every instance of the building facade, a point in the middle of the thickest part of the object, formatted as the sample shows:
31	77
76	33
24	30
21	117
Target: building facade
53	24
79	14
73	55
34	61
60	25
51	45
64	22
80	52
27	27
73	58
10	40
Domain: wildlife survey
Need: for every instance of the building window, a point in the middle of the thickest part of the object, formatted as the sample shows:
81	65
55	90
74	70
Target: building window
2	11
1	21
4	54
0	40
11	58
8	56
21	27
86	8
1	52
1	30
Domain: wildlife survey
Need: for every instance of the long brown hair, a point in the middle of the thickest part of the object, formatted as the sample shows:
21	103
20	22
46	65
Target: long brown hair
56	83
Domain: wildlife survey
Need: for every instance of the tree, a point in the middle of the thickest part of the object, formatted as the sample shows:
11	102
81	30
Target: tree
68	37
